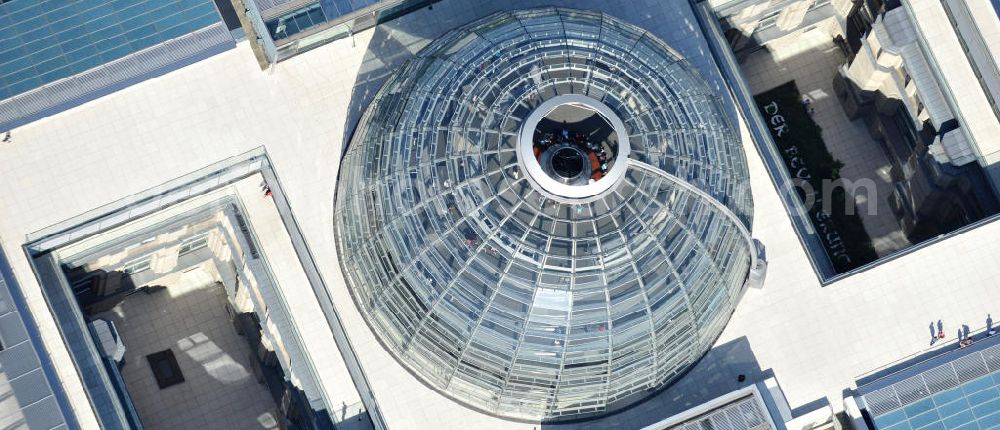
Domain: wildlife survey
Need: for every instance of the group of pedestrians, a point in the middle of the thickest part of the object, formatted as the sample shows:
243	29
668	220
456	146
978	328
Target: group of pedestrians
964	337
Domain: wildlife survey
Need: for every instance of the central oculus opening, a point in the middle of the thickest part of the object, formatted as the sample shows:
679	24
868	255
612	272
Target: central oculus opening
575	145
572	148
568	162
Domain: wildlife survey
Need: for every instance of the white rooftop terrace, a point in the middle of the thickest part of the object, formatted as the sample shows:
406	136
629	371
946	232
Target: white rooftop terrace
816	339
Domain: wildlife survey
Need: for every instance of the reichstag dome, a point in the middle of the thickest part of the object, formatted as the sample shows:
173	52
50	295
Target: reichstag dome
544	215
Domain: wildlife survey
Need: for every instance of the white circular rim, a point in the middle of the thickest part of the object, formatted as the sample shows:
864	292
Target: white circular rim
551	187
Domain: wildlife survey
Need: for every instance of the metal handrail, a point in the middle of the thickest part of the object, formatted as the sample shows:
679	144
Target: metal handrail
171	188
972	333
887	398
322	294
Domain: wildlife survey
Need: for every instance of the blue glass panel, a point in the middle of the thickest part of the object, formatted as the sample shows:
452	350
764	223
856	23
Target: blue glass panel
143	43
105	33
990	422
982	396
12	60
73	42
49	66
978	384
969	426
343	6
70	23
36	33
987	408
205	20
58	13
141	32
57	74
303	21
175	31
132	11
953	407
21	75
46	54
316	16
35	45
10	67
5	22
924	419
890	418
86	63
919	407
164	12
948	395
30	23
133	23
27	17
905	425
16	6
110	43
358	4
192	3
24	86
329	9
936	425
96	19
958	420
116	53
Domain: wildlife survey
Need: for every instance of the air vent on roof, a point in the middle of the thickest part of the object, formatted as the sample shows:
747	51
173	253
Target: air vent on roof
720	422
940	378
970	367
992	357
911	389
882	401
706	424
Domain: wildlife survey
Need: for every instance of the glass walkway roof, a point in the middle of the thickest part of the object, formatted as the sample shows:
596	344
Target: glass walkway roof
956	390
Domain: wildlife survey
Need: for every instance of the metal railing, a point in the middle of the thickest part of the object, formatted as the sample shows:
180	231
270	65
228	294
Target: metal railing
924	352
153	199
305	256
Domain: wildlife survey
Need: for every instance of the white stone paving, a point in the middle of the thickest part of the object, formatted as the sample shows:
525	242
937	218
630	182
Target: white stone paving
816	339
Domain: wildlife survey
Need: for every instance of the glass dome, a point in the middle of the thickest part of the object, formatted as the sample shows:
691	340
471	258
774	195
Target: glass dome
544	214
